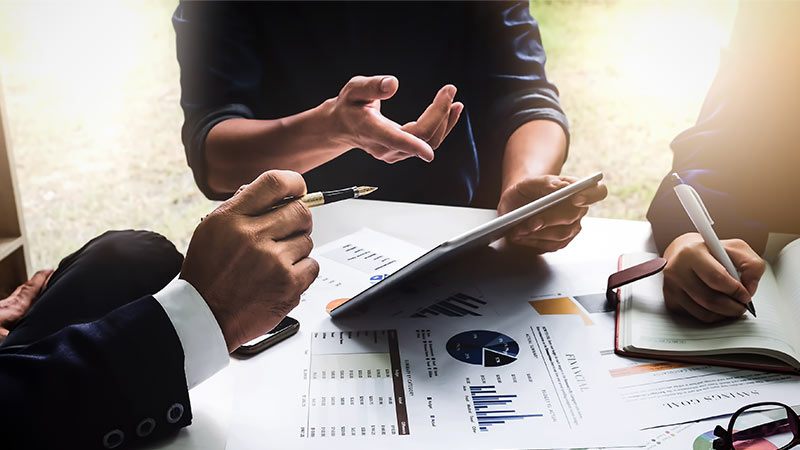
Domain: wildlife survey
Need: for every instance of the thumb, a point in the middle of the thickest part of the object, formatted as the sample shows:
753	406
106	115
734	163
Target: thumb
538	187
367	89
267	190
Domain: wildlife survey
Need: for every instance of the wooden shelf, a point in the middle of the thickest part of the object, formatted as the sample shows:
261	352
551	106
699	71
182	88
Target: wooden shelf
8	245
13	248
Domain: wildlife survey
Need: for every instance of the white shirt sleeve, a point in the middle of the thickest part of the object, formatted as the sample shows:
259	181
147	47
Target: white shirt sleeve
204	349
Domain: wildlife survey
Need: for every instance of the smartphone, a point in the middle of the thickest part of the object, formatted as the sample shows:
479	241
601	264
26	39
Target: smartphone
286	328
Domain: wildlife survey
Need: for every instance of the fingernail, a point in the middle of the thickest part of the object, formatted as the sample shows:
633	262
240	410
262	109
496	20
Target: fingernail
579	200
523	233
538	224
386	84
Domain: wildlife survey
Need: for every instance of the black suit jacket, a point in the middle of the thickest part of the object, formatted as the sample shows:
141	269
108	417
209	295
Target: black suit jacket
111	383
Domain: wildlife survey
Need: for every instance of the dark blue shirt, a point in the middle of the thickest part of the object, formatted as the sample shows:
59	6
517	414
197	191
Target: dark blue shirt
268	60
743	154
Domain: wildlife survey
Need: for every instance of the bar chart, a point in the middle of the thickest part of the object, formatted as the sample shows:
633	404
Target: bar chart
458	304
361	258
492	408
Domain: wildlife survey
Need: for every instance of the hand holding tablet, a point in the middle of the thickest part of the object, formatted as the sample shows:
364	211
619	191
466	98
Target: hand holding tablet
479	236
553	229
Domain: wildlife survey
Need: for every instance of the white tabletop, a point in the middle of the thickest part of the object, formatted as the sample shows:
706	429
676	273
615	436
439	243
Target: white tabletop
423	225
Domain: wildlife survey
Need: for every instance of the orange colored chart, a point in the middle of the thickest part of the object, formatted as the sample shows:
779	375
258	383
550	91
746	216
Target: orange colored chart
559	306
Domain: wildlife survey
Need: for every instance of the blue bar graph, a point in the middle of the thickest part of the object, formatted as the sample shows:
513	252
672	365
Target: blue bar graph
485	405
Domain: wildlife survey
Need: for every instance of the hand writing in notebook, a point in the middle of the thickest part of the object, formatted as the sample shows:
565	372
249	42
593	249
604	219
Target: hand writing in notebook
695	283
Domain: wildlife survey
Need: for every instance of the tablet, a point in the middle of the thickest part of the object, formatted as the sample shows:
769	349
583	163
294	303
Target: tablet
480	236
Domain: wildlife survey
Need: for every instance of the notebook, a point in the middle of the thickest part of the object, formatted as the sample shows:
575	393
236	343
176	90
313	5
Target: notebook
769	342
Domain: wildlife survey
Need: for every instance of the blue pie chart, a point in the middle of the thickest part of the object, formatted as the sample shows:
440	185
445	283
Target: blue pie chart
483	348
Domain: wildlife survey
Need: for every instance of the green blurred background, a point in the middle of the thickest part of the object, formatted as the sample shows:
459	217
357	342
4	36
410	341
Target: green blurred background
91	91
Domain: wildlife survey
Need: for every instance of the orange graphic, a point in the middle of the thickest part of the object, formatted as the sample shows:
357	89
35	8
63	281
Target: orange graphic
646	368
333	304
562	305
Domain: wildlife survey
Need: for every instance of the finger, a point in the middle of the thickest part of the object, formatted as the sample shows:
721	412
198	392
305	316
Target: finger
680	302
295	248
746	260
241	188
435	114
590	195
532	191
557	233
386	133
39	280
710	299
306	271
265	191
446	125
526	191
455	113
28	291
541	246
289	220
394	157
714	275
438	136
386	154
367	89
562	214
47	280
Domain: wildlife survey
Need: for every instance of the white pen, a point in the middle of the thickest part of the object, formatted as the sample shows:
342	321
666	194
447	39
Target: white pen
703	222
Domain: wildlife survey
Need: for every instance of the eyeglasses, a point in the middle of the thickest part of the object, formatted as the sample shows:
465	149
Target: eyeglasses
780	425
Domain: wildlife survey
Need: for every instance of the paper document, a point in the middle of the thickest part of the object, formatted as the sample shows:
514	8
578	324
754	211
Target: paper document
700	435
463	383
351	264
475	355
661	393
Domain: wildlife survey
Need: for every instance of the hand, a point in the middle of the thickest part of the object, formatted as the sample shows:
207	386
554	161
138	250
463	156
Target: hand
358	122
554	228
249	262
13	307
695	283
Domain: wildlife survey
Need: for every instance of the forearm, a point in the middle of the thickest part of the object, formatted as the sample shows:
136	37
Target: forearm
536	148
238	150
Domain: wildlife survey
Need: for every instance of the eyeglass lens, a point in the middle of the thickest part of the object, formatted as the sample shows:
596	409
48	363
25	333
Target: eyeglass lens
762	430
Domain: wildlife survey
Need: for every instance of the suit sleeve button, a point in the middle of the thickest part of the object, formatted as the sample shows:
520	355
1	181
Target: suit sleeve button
175	413
113	438
145	427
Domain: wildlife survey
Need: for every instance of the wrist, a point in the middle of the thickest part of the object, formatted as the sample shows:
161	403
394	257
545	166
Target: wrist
333	129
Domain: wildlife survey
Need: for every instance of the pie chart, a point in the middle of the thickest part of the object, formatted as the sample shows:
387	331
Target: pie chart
483	348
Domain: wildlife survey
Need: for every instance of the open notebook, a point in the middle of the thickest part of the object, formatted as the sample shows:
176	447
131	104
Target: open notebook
769	342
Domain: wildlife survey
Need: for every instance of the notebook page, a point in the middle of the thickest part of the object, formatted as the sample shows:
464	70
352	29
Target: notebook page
787	275
651	326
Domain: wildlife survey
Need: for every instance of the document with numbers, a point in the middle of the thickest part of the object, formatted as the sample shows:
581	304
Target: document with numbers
407	384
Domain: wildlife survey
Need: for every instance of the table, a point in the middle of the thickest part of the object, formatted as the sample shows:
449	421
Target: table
423	225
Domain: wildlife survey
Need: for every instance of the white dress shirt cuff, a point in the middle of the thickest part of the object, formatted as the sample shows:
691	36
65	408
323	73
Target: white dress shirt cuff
204	349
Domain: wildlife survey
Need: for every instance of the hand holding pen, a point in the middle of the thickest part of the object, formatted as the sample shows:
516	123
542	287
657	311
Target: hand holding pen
709	279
